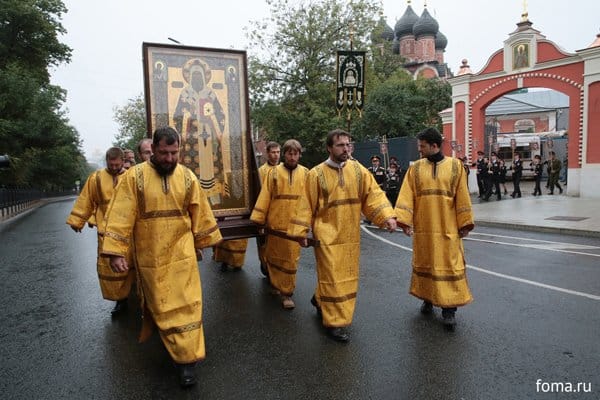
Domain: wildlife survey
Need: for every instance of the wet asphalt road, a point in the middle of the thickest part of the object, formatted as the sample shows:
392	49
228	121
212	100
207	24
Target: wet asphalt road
58	341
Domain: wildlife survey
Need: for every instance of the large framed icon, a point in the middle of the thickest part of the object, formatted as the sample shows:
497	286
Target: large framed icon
203	94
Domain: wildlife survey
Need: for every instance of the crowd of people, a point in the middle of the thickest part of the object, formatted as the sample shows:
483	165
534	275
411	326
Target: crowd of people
492	174
389	180
154	220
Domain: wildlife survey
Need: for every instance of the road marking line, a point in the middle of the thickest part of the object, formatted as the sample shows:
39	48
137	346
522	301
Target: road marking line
570	245
533	246
485	271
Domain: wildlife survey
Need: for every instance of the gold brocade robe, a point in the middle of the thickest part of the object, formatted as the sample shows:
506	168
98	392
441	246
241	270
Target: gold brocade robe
263	171
278	196
231	252
168	218
331	206
437	207
91	206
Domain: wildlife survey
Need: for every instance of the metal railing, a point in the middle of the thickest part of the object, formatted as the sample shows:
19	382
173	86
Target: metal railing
14	200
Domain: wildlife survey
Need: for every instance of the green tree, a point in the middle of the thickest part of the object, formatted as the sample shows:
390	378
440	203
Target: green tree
132	123
292	71
45	151
401	106
29	32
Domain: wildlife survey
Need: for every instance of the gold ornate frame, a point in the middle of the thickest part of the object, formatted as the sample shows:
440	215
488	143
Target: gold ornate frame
203	94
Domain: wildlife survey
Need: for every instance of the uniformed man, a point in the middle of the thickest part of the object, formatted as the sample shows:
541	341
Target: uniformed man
393	183
494	178
554	167
517	173
481	173
377	170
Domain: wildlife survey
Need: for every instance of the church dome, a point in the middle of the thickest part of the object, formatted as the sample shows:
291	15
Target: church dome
404	26
440	41
387	33
425	25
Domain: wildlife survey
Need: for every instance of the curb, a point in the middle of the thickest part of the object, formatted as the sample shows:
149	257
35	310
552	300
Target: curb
537	228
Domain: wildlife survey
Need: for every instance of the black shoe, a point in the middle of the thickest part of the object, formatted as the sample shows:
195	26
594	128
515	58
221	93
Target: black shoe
519	195
560	191
512	195
338	334
449	318
120	307
187	376
550	193
313	301
426	308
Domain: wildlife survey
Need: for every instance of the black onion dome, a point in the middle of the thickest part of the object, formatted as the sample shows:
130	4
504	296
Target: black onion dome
388	32
440	41
425	25
404	26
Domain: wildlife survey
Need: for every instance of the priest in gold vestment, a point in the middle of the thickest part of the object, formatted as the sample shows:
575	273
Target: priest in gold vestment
434	207
232	253
160	203
279	195
273	155
336	191
91	206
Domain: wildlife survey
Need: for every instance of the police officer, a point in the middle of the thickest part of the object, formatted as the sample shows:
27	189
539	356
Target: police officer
481	173
377	170
494	172
517	173
393	183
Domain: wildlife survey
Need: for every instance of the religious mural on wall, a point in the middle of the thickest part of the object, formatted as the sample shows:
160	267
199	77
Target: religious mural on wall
202	93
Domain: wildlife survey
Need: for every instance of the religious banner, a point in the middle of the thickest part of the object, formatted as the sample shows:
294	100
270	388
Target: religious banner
350	82
203	94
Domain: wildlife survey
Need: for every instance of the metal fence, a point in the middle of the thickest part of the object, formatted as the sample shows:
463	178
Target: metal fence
16	200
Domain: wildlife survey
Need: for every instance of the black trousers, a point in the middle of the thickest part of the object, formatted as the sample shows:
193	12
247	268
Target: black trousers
516	185
537	190
493	183
481	185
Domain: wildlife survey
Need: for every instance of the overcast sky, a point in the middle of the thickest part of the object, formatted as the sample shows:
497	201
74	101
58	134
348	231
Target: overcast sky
106	38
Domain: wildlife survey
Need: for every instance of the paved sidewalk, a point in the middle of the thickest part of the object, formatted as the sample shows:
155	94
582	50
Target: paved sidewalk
549	213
